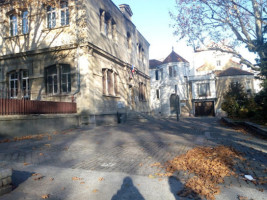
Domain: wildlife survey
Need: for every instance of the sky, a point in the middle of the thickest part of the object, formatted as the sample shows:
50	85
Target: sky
152	19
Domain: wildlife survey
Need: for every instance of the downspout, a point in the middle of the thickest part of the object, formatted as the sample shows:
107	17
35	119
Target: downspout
77	56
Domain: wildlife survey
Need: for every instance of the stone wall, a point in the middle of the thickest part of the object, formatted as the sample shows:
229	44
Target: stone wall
5	181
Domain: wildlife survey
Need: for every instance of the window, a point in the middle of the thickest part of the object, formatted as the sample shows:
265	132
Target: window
129	41
157	93
142	92
19	84
13	84
110	82
204	89
157	75
218	63
25	25
248	86
161	73
64	13
175	89
170	71
58	79
13	25
174	71
51	17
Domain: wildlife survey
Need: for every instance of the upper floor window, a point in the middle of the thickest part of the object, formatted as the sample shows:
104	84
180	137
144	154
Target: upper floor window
51	17
58	79
129	41
157	74
25	25
170	71
203	89
13	25
64	9
107	25
110	82
218	63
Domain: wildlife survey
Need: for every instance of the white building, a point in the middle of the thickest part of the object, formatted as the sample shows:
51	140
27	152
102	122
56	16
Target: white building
169	88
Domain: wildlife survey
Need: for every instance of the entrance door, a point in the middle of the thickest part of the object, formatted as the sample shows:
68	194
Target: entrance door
205	108
174	104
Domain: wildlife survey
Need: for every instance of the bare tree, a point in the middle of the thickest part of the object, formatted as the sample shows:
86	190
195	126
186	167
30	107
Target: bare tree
227	23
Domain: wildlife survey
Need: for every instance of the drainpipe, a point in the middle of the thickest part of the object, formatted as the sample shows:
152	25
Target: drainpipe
77	57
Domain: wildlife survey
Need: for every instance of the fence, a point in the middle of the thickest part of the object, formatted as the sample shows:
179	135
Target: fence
24	107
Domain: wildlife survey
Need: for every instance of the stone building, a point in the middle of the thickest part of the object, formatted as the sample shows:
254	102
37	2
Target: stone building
88	51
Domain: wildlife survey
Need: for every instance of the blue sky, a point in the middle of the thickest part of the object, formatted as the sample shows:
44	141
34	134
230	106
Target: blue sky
151	17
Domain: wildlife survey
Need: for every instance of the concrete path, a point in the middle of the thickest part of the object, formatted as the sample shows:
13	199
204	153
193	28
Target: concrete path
116	162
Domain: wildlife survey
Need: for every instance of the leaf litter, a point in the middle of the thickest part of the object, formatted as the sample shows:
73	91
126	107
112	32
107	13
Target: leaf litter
208	167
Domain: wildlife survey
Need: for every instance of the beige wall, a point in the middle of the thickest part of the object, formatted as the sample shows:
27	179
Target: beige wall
85	48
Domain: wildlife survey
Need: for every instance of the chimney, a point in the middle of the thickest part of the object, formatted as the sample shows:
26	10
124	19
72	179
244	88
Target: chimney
126	10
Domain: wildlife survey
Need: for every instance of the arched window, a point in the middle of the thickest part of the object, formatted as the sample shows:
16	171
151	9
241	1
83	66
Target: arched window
25	25
51	17
64	10
13	25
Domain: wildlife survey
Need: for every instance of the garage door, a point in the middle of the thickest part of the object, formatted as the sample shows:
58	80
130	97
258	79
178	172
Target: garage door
205	108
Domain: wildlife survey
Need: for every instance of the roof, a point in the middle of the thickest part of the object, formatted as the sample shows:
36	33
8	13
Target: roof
154	63
232	71
174	57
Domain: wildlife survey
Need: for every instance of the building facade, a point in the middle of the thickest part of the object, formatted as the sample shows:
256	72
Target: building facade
169	85
198	91
83	51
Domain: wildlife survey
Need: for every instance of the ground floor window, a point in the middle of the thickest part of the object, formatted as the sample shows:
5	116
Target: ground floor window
142	92
58	79
19	84
110	82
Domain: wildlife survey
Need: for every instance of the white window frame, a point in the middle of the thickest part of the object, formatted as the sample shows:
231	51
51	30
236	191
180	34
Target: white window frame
13	25
51	17
64	13
25	22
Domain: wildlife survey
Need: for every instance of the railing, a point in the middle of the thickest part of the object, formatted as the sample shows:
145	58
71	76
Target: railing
25	107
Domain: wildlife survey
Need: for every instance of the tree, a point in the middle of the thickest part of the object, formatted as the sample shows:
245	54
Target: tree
228	23
235	100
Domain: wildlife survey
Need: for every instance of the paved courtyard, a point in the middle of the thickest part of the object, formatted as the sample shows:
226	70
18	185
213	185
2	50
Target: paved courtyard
116	162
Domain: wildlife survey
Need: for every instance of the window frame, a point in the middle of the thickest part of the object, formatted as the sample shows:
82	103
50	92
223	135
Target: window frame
206	88
54	79
13	23
64	13
18	90
51	17
110	82
25	22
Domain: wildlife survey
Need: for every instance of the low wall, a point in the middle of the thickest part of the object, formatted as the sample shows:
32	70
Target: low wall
5	181
22	125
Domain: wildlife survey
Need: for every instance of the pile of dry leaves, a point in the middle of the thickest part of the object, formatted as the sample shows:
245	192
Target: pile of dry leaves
209	167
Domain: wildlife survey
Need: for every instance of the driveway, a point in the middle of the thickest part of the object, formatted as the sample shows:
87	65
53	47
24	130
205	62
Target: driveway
119	162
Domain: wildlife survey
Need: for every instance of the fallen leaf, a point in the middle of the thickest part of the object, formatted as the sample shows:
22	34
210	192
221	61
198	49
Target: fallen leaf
38	178
41	154
26	164
140	164
36	174
76	178
46	196
95	190
242	198
151	176
82	182
51	179
101	179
